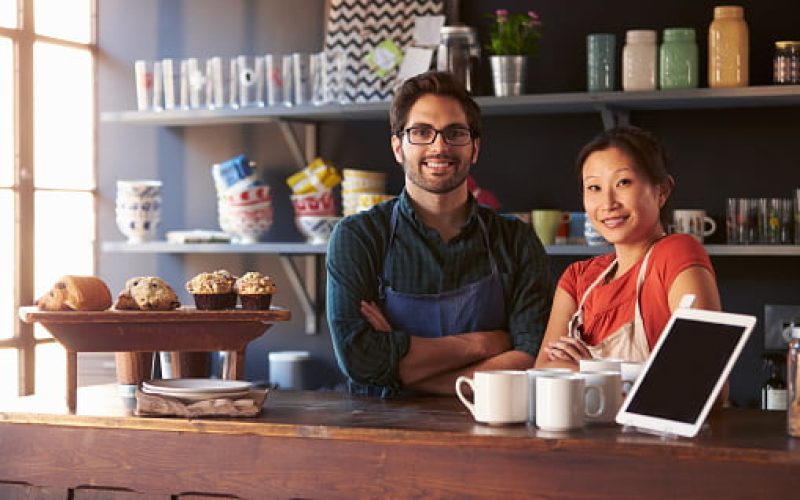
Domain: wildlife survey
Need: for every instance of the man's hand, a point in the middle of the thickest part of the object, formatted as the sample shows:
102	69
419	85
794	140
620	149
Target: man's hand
375	316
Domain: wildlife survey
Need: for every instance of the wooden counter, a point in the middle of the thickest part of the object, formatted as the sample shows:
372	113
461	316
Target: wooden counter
327	445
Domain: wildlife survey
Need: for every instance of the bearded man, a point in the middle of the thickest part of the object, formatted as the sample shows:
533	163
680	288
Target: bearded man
429	286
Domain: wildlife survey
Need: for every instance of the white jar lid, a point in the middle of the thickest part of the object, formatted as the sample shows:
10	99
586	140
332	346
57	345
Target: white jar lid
647	36
289	356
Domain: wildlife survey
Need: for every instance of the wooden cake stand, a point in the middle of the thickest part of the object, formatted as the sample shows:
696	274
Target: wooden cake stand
184	329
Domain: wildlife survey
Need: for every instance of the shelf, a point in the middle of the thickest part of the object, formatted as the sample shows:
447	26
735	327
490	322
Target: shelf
306	249
569	102
214	248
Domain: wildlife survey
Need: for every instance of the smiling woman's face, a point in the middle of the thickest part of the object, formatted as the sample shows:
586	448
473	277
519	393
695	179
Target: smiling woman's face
620	201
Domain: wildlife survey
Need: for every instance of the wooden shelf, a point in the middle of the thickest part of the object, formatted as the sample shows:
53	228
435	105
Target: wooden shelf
568	102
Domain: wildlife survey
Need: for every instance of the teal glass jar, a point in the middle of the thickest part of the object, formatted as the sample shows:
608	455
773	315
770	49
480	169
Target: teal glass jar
678	65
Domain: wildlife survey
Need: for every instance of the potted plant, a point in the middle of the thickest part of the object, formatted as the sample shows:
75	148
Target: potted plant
513	38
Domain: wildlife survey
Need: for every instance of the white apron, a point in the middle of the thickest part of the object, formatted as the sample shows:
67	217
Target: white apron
629	342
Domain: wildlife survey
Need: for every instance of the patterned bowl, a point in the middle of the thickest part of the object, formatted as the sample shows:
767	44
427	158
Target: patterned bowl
316	229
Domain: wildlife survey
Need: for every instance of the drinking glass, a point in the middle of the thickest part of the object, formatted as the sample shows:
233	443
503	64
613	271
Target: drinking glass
300	68
288	80
601	64
273	80
251	81
143	84
168	71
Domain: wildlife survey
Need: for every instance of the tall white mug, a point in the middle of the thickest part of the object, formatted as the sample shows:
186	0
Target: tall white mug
533	374
499	397
561	402
694	222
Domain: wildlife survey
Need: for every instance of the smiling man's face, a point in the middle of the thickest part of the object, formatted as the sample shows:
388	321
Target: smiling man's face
438	167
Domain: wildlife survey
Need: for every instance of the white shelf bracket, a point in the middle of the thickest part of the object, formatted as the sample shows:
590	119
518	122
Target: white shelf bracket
300	156
614	117
306	287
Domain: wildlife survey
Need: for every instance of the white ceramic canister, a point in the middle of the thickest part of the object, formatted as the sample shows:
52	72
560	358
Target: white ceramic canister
639	60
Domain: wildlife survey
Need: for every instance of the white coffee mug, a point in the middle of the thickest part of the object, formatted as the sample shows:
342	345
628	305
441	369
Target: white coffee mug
630	372
561	402
533	373
609	384
600	365
694	222
500	397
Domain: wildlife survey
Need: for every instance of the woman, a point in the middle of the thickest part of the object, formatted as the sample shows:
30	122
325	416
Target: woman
616	305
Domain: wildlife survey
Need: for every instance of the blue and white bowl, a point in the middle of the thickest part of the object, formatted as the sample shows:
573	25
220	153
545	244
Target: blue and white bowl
316	229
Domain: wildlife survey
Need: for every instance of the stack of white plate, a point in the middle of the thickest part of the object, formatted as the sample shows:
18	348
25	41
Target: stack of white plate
197	389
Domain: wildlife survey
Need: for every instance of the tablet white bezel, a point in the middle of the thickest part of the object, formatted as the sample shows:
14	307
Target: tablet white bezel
665	426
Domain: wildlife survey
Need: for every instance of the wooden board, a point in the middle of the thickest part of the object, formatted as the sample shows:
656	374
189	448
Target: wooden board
184	329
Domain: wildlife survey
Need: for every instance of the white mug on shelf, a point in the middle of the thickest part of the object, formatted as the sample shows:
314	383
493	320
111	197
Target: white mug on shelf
694	222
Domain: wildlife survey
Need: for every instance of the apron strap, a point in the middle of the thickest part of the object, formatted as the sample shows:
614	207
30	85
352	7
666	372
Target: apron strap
393	227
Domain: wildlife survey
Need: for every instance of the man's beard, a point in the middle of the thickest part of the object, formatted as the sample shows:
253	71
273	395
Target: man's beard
436	185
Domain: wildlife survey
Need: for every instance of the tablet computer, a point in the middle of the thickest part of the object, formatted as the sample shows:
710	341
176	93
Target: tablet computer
686	371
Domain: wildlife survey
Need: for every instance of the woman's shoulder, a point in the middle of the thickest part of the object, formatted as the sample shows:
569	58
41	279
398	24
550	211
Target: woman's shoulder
586	271
679	244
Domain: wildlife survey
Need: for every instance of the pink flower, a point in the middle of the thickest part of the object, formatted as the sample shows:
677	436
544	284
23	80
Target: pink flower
534	18
502	14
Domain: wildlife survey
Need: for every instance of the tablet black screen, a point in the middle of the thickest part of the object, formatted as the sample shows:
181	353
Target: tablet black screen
685	370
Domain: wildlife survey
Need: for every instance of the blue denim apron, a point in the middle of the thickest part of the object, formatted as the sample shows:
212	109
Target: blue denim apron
477	306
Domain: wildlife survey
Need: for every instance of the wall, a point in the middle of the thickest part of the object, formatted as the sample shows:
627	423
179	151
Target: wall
527	161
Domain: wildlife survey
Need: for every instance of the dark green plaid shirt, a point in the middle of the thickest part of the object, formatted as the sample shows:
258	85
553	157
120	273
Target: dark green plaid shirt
423	263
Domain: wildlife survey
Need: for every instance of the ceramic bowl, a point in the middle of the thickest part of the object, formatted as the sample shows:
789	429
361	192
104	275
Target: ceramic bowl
246	224
247	197
138	227
316	229
138	188
314	204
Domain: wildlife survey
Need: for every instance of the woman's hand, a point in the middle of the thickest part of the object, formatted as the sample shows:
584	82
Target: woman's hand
567	349
375	317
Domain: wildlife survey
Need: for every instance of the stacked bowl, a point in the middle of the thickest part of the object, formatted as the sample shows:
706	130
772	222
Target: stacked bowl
138	209
313	201
244	202
360	182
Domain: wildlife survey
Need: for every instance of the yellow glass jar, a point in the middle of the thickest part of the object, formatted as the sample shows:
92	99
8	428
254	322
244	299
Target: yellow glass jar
728	48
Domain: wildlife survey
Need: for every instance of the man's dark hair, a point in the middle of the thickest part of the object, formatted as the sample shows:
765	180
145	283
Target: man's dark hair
438	83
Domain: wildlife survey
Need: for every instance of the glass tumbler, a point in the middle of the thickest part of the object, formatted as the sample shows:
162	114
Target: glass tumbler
601	64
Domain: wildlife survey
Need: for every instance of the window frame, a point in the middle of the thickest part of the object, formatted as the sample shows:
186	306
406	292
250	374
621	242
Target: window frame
23	38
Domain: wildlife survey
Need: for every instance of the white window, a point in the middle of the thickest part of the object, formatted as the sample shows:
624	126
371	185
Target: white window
47	173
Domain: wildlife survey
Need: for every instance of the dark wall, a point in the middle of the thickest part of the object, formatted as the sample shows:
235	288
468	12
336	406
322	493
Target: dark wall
714	154
527	161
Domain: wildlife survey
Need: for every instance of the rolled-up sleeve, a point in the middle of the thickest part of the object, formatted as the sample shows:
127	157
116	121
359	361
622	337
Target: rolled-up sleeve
364	355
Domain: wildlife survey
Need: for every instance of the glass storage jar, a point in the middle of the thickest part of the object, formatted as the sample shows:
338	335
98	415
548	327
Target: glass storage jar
728	48
639	60
786	63
678	59
459	54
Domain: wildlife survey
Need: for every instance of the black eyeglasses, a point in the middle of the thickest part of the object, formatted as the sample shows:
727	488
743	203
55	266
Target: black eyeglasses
454	135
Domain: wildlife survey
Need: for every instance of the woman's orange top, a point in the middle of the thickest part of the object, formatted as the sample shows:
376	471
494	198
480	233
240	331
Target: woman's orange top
610	305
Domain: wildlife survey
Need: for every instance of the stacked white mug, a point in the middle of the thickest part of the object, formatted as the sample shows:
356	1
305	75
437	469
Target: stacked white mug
138	209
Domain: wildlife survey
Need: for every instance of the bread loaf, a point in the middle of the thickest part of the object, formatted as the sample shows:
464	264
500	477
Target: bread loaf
76	293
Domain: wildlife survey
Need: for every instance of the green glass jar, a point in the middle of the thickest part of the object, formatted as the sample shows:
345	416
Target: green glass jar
678	59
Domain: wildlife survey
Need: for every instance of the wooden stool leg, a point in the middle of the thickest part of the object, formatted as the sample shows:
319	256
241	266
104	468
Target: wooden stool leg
233	367
72	381
177	364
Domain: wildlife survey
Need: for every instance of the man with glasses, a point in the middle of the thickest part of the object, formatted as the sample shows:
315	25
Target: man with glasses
430	286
